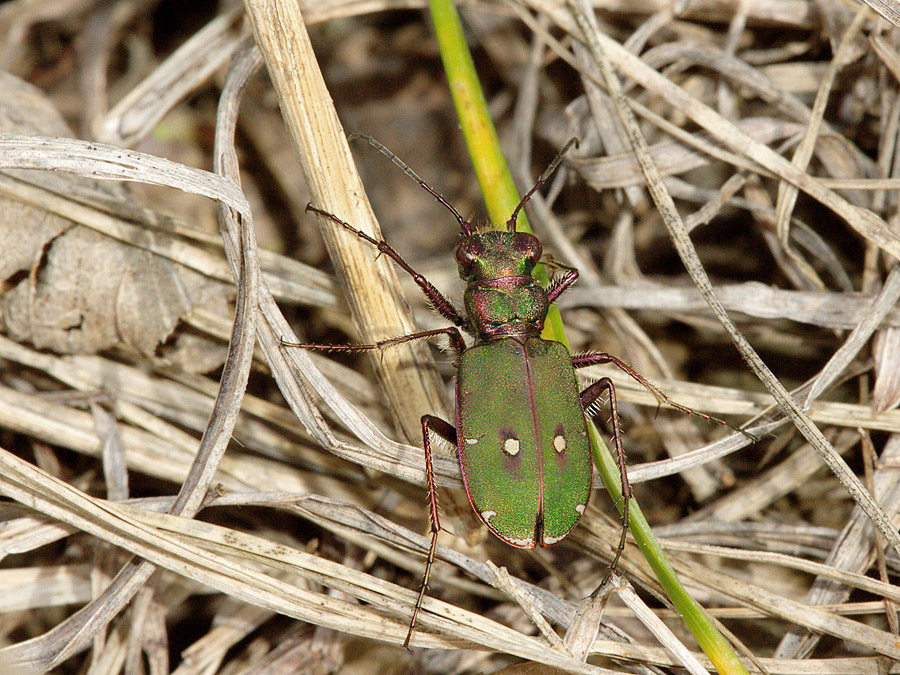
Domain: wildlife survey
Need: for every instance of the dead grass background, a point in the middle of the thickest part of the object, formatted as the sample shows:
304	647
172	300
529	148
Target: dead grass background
118	302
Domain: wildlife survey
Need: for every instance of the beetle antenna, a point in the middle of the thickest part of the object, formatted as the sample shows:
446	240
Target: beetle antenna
463	223
511	223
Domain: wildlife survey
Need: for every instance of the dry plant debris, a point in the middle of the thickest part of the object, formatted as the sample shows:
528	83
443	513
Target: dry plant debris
147	526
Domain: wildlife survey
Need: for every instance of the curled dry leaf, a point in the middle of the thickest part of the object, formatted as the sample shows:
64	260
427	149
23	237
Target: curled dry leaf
72	290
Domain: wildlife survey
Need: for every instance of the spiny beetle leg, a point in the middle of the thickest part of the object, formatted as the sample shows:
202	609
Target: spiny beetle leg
600	358
435	297
446	431
558	287
588	397
456	342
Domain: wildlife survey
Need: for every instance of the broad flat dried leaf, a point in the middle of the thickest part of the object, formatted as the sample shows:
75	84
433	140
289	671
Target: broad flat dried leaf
75	291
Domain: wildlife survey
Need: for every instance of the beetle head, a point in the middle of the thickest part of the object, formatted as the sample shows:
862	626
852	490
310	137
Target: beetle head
495	254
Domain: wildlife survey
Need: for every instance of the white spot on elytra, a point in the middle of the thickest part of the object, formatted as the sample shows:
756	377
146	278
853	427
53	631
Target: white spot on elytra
559	443
471	441
521	543
579	508
511	446
487	515
549	541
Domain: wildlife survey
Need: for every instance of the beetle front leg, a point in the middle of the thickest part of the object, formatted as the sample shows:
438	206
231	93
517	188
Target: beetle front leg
588	397
435	297
446	431
560	285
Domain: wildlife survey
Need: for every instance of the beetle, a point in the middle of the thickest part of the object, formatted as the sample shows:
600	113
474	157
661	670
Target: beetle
521	431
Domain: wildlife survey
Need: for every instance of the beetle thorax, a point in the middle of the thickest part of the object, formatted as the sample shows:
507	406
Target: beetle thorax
501	296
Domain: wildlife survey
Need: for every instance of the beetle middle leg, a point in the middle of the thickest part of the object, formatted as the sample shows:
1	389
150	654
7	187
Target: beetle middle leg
588	397
457	344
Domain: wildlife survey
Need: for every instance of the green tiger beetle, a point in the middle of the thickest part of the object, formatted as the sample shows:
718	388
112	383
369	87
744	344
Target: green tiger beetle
521	430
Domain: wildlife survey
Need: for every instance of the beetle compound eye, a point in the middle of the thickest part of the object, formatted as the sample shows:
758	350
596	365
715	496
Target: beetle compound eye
536	250
468	251
530	247
463	258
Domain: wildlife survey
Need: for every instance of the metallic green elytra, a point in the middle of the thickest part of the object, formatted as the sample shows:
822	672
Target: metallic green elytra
522	439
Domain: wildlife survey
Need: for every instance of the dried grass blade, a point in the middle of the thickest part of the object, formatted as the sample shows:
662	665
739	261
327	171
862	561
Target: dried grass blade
601	45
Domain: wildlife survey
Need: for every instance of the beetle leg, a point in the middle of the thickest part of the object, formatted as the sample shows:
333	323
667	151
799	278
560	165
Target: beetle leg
588	397
560	285
457	344
446	431
599	358
435	297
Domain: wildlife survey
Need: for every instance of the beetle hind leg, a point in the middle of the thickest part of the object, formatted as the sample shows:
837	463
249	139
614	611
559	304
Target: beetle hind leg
588	397
446	431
